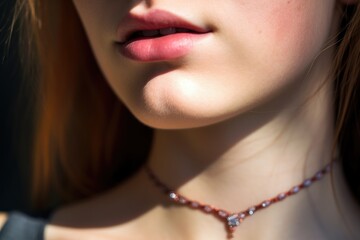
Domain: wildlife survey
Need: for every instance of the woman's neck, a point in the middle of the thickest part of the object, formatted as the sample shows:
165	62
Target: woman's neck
232	165
241	162
255	155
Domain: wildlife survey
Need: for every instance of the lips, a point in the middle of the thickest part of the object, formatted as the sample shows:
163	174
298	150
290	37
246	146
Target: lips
157	35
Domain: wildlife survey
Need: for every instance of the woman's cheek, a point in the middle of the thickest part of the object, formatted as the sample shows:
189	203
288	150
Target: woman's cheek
290	33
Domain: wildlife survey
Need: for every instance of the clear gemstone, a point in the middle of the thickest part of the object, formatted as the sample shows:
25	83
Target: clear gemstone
281	196
207	208
222	213
295	189
242	215
251	210
233	221
182	200
319	175
173	196
265	204
194	204
307	182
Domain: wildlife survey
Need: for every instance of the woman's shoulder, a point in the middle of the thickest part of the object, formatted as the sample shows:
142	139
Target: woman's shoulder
3	218
19	226
107	215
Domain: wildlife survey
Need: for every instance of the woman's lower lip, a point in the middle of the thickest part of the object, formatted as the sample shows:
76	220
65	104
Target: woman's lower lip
161	48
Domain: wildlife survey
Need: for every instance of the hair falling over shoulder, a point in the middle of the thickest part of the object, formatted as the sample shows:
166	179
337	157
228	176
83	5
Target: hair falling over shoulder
81	128
82	131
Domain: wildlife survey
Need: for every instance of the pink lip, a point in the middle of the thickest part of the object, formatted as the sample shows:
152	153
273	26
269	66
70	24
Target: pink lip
158	48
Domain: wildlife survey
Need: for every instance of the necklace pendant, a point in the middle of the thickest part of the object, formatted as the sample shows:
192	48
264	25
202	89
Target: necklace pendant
233	221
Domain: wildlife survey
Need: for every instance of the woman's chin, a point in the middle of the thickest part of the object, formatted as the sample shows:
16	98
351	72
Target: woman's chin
179	118
176	122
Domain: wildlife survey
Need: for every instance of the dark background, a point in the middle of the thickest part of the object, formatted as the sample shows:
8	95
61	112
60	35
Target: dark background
14	161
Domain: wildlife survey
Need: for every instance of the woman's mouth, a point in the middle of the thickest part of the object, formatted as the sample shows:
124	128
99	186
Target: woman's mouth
156	33
157	36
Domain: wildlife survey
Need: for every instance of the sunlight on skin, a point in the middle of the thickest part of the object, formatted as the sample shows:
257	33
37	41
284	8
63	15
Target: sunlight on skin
230	116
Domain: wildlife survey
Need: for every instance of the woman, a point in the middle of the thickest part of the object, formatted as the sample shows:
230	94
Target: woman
240	99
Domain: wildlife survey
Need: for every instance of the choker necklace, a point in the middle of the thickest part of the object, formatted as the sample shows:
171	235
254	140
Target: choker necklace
233	220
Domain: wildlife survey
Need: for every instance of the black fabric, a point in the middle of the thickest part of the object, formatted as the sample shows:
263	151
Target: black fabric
21	227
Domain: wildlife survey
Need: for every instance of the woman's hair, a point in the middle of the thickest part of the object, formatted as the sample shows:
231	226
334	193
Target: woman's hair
81	128
85	141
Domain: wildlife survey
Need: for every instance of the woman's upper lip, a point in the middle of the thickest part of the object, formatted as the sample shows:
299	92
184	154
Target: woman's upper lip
154	20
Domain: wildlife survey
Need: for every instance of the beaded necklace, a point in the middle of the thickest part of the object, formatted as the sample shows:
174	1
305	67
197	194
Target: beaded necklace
233	220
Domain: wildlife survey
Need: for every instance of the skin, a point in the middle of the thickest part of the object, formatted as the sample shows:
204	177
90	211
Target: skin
238	120
189	95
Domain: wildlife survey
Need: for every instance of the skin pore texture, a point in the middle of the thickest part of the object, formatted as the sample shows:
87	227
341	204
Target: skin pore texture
245	115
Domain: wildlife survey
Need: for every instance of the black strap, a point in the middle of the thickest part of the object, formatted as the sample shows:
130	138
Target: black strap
21	227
